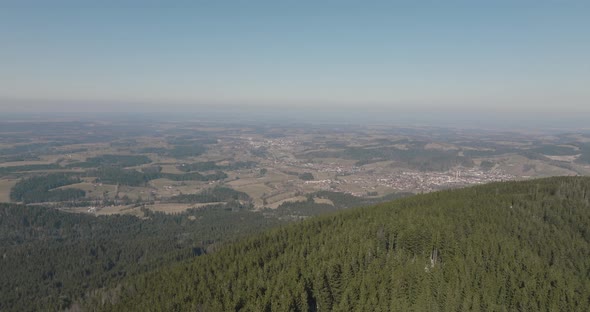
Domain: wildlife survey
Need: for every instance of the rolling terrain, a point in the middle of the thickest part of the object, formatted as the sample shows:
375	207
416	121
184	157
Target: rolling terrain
98	209
110	164
512	246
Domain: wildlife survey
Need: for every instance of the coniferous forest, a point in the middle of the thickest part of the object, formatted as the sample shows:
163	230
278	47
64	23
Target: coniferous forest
512	246
50	260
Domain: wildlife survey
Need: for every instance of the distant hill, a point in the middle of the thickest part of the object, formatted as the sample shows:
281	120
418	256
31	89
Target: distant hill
512	246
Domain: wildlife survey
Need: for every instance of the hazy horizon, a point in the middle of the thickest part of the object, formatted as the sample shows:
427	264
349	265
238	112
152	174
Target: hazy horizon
516	60
549	123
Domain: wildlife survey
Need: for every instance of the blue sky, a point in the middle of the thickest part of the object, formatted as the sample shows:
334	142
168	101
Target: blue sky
411	56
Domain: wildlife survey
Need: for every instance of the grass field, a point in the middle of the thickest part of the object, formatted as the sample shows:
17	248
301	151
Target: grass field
276	204
130	210
109	210
94	190
25	163
323	201
172	208
5	186
166	187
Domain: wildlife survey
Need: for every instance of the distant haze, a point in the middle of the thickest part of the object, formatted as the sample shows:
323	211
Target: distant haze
506	60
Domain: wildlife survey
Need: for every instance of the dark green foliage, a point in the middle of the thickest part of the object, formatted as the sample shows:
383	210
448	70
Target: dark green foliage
585	153
555	150
51	259
533	155
487	165
536	153
216	194
30	149
152	170
112	161
299	208
241	165
154	150
514	246
24	168
344	201
183	151
261	152
306	176
38	189
308	208
198	166
488	149
19	157
112	175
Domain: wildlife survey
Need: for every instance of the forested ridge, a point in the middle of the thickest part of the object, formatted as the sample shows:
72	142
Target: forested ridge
511	246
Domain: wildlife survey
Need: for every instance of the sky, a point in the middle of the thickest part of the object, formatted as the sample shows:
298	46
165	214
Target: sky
497	57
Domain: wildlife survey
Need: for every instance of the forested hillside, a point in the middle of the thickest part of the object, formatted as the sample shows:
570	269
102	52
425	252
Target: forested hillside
51	259
513	246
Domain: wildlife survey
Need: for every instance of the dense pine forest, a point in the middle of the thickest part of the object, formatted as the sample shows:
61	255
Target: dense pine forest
512	246
49	260
52	259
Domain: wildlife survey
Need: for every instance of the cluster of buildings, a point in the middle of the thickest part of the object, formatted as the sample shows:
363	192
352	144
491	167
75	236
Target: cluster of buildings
370	180
416	181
